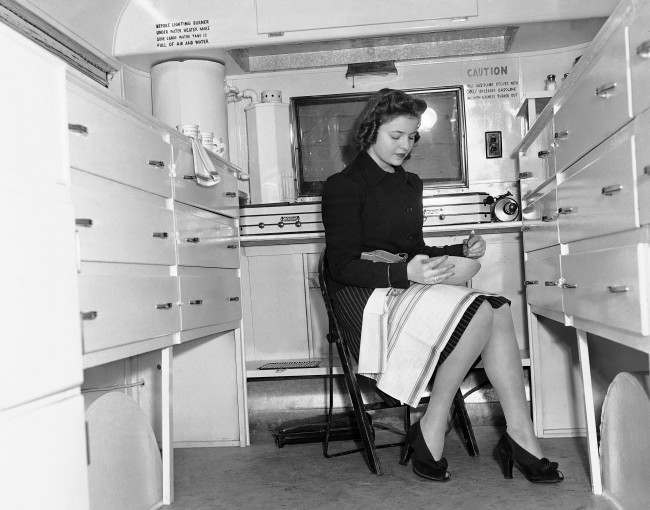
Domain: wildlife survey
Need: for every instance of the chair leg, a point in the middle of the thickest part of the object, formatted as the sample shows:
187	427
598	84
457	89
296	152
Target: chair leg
363	421
462	420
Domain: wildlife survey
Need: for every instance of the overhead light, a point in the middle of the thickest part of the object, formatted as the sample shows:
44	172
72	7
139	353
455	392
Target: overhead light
381	68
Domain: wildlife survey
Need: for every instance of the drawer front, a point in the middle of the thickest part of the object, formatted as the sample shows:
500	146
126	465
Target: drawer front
640	59
642	150
206	239
111	143
596	200
609	287
117	223
127	308
222	198
540	223
597	107
543	278
209	296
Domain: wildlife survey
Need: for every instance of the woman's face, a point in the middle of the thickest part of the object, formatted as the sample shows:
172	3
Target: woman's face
395	140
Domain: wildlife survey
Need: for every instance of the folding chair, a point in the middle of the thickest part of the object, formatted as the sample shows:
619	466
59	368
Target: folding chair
362	418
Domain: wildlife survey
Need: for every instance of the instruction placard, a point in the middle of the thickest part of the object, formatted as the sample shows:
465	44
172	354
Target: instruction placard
183	33
491	82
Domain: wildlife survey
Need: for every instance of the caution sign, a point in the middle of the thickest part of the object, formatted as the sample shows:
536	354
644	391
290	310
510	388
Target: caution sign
183	33
486	82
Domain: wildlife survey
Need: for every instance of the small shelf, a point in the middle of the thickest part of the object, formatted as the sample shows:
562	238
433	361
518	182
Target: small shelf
253	369
541	97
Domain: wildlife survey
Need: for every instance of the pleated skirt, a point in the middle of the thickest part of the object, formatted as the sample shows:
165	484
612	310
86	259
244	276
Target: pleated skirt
425	323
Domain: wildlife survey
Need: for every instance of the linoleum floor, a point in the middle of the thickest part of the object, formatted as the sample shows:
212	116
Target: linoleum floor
299	477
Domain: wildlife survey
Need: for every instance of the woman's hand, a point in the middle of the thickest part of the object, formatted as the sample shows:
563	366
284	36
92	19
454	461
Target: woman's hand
473	246
422	269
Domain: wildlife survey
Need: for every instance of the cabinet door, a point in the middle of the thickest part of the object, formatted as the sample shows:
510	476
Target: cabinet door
543	272
540	222
274	308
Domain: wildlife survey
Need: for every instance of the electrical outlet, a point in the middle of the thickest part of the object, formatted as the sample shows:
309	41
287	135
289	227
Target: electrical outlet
493	147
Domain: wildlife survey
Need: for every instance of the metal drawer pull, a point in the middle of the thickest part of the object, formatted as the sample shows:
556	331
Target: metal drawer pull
189	177
525	175
547	219
232	246
83	222
280	224
233	298
161	235
79	129
610	190
561	135
617	289
261	224
550	283
567	210
196	301
605	92
531	282
646	169
163	306
543	154
643	49
230	194
88	316
193	240
154	162
569	286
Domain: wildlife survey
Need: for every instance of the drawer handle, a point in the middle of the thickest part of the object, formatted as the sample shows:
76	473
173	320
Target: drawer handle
525	175
280	224
233	298
161	235
261	224
155	162
231	194
547	219
232	246
83	222
617	289
88	316
569	286
550	283
567	210
163	306
193	240
561	135
543	154
610	190
196	301
605	92
531	282
646	170
189	177
643	49
526	228
78	129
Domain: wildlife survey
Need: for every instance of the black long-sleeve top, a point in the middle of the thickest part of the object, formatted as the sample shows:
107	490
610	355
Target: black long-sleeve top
365	208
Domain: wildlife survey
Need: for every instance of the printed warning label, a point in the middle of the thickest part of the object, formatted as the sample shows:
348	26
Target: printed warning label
490	82
183	33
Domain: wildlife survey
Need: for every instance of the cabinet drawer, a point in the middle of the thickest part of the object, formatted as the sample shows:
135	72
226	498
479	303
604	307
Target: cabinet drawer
596	200
597	107
206	239
609	286
538	163
540	222
117	223
119	309
109	142
640	58
543	278
209	296
642	152
221	198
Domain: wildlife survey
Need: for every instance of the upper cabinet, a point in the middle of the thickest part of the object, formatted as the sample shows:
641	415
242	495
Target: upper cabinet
275	16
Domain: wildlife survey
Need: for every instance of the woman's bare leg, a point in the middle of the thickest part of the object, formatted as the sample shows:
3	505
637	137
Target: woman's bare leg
491	334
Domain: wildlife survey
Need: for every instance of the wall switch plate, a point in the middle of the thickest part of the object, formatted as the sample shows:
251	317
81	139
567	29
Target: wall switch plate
493	148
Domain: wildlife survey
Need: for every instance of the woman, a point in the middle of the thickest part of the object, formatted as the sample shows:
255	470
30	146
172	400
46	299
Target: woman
374	204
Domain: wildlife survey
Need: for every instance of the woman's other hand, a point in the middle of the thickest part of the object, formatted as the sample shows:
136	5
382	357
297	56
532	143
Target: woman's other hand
422	269
473	246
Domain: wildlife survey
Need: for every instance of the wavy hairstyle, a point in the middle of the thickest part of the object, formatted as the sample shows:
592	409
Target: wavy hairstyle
383	107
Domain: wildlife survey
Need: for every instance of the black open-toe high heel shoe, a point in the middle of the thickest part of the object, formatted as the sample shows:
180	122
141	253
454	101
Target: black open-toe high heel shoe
424	464
536	470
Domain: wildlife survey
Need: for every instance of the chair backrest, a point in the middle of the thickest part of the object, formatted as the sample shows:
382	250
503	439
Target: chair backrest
323	277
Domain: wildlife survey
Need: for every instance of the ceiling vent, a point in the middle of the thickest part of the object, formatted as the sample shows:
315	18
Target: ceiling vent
477	41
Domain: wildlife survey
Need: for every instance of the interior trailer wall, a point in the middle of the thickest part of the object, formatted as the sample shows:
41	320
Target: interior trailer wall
493	86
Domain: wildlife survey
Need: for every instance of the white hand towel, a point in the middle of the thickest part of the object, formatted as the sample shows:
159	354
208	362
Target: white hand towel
204	170
372	350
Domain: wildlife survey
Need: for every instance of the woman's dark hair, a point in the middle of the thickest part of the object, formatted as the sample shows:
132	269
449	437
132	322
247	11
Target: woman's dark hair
383	107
